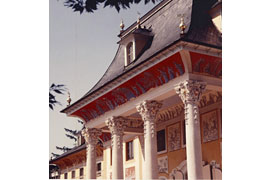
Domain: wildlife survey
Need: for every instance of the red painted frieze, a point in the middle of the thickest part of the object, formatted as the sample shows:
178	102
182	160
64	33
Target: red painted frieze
153	77
204	64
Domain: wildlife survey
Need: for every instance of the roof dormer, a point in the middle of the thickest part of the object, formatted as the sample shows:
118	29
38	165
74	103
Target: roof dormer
135	42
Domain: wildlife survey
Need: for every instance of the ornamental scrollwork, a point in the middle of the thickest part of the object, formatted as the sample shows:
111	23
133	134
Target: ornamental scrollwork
91	138
116	126
190	91
149	111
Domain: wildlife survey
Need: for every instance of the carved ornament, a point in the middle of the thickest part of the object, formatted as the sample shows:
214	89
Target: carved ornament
117	124
190	91
149	109
91	138
170	113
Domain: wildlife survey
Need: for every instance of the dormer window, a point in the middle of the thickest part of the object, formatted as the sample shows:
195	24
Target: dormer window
135	42
130	54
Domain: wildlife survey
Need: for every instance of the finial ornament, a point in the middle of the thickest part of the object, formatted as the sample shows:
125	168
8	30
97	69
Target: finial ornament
122	25
68	99
138	20
182	25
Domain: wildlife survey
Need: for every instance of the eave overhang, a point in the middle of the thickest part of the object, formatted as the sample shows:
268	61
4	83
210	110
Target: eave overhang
188	41
100	96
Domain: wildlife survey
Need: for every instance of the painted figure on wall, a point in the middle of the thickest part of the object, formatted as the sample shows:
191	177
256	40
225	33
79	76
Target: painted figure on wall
210	126
174	137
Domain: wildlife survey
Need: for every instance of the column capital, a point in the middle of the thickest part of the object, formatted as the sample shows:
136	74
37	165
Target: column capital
116	124
149	109
190	91
91	135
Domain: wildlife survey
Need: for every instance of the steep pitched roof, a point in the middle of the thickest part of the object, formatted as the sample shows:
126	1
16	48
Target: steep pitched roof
163	21
164	25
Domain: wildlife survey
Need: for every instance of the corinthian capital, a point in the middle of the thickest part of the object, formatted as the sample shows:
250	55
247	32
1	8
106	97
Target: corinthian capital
149	109
91	135
190	91
116	124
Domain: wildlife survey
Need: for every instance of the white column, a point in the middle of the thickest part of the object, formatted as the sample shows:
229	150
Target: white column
91	138
190	92
149	110
116	126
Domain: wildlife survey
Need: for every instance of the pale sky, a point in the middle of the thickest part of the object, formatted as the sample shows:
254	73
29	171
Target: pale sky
81	49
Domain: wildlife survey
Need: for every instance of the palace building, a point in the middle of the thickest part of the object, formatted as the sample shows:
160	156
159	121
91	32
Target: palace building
157	111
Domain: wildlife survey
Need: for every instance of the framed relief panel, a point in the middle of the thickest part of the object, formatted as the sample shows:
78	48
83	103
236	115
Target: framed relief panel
163	164
209	126
174	136
130	173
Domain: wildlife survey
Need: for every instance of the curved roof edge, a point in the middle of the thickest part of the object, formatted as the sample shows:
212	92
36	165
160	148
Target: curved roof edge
162	19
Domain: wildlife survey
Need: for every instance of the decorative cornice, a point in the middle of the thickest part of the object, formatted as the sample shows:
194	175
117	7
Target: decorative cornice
134	122
190	91
170	113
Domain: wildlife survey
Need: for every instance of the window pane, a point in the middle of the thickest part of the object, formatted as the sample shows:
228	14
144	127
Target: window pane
73	174
99	166
129	150
81	172
130	52
161	142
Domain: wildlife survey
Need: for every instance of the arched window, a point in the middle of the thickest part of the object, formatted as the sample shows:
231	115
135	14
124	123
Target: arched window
129	53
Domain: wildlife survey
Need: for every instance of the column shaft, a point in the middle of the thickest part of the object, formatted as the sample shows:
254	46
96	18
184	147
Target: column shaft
91	167
116	126
193	144
149	110
91	138
190	92
150	139
117	157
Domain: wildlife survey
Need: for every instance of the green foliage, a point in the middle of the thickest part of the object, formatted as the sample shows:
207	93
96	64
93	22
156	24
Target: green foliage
71	137
55	155
64	148
91	5
55	89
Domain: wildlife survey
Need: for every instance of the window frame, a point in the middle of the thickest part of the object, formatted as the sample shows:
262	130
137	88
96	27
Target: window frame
73	173
81	174
99	171
130	53
128	150
165	133
66	175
